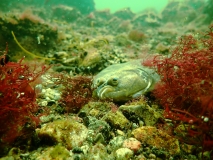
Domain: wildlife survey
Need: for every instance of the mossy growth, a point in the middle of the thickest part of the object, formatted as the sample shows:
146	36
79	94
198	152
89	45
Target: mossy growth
59	152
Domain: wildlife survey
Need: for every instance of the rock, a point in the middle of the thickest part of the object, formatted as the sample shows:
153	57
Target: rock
95	109
103	14
124	26
91	59
55	152
98	152
113	23
204	155
51	94
115	143
188	148
132	144
67	132
39	34
148	19
162	48
66	13
123	154
155	137
122	40
143	111
99	130
117	120
179	12
137	36
152	156
124	14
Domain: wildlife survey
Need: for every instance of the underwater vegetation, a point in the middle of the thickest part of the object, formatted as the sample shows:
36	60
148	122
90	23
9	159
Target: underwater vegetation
136	35
17	98
54	114
76	93
186	88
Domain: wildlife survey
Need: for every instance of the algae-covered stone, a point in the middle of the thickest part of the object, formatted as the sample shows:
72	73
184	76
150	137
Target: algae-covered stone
70	14
115	143
125	14
92	58
132	144
149	115
95	109
98	152
157	138
98	130
117	120
56	152
124	154
68	132
188	148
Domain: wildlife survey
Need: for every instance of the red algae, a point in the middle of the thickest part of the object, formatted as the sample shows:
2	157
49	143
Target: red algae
18	105
28	15
186	89
77	92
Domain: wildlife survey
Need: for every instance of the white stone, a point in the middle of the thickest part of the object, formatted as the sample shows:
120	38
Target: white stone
123	154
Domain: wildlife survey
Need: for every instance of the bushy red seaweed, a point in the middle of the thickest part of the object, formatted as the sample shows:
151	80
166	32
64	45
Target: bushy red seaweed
76	93
17	99
186	86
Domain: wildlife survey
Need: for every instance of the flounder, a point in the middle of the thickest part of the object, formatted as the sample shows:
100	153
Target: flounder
122	82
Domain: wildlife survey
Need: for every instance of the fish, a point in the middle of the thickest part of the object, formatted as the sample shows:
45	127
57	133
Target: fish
125	81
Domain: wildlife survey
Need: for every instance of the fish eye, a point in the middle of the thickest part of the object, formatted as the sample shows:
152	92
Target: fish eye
113	81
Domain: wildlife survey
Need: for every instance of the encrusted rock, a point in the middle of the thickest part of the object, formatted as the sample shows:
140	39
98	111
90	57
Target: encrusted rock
66	13
149	115
115	143
132	144
98	130
125	14
50	94
176	10
123	154
103	14
155	137
148	19
97	152
188	148
92	58
117	120
68	132
55	152
95	109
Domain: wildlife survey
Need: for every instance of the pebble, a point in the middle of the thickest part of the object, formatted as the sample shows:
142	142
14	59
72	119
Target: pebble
123	154
132	144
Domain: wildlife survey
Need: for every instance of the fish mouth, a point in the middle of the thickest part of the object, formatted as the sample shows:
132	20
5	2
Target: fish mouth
103	90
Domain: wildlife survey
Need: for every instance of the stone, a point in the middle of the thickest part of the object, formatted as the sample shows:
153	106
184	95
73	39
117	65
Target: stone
67	132
157	138
123	154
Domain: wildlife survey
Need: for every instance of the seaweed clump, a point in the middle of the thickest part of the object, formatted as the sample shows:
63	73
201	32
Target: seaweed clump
18	105
77	92
136	36
186	87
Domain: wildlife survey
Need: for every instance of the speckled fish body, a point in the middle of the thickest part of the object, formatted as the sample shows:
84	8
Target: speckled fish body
122	82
